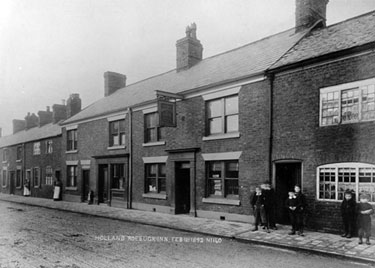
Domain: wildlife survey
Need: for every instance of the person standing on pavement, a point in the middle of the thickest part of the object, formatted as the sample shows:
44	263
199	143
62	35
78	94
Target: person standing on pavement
364	210
57	191
296	205
269	206
348	213
257	203
26	187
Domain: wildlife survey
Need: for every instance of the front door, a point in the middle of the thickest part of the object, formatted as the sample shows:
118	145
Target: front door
103	184
85	184
182	187
12	178
287	176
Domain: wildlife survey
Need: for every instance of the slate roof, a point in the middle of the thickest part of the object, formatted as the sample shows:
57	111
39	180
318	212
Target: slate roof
32	134
350	33
245	61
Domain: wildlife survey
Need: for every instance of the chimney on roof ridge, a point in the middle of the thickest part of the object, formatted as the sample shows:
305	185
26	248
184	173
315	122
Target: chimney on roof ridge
58	113
309	12
31	121
113	82
189	49
45	117
73	105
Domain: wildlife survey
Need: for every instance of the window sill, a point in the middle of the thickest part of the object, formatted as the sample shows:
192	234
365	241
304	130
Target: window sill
155	196
4	186
37	186
72	152
119	147
222	201
71	188
4	162
18	160
156	143
19	187
222	136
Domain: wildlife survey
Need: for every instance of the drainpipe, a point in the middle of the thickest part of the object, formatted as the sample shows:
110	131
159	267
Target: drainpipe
130	168
270	122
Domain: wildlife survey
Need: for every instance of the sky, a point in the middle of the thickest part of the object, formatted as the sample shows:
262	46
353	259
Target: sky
50	49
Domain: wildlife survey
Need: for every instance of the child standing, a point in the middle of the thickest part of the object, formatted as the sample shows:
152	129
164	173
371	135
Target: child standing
348	213
257	203
364	210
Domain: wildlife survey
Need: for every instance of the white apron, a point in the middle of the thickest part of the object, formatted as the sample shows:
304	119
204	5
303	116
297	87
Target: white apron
56	192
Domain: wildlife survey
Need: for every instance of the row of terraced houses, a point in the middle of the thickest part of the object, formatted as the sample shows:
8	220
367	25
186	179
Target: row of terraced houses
295	107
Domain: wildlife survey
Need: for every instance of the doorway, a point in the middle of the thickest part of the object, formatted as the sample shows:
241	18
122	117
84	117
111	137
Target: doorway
11	182
85	184
103	184
182	187
287	175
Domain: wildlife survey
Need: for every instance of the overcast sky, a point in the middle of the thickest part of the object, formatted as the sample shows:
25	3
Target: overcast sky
52	48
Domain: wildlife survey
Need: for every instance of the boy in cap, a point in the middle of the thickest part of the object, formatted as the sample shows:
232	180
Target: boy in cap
364	210
257	203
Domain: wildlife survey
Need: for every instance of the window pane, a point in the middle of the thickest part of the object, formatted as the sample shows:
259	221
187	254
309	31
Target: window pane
151	135
214	108
122	125
215	125
214	187
231	187
162	185
350	105
231	169
122	139
231	105
162	168
150	120
232	123
327	183
151	185
330	108
214	170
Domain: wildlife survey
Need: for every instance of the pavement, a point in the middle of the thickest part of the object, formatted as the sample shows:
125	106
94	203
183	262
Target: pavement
313	242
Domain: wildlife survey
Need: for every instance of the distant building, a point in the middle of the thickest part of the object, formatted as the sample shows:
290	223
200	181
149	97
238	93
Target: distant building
33	152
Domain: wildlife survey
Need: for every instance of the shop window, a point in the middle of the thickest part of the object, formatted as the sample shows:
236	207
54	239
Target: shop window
222	179
156	178
117	176
334	179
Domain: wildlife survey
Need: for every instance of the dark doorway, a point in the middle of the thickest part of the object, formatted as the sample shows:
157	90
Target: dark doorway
287	176
103	184
182	187
85	184
11	182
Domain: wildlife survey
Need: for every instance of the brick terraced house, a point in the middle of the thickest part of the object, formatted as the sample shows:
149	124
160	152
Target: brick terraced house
295	107
33	152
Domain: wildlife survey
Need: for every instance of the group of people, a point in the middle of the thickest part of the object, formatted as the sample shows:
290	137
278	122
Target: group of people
263	202
360	214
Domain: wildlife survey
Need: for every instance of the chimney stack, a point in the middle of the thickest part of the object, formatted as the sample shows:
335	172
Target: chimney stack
45	117
308	12
31	120
189	49
73	105
58	113
18	125
113	82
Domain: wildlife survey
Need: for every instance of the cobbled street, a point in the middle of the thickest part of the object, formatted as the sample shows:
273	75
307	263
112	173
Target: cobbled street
39	237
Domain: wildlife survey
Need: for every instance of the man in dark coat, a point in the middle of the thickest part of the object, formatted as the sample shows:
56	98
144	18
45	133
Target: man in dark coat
269	205
348	213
